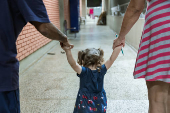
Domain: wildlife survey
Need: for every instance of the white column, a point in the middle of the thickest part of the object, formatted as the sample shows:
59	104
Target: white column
103	5
106	6
81	8
84	8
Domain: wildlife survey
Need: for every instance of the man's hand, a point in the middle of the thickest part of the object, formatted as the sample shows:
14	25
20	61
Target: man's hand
118	42
66	46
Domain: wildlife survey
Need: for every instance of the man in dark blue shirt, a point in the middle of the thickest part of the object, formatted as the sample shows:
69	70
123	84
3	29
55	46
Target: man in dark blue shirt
14	15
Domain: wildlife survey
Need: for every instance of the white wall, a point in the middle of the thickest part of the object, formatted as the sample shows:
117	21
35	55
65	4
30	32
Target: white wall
134	36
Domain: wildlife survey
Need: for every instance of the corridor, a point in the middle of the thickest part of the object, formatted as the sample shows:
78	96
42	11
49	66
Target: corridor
51	86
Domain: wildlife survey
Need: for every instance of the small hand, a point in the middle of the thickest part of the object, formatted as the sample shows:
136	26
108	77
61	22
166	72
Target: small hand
118	42
65	47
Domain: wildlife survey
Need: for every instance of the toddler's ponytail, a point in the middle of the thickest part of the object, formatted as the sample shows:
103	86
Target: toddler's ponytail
81	55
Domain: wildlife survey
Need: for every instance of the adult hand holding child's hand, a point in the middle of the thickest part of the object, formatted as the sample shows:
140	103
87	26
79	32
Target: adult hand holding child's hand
118	42
66	46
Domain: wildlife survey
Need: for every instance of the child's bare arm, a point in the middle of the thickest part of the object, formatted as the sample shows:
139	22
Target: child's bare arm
76	67
113	57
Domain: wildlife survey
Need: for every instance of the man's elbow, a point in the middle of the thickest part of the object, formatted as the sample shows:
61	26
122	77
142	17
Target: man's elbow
43	29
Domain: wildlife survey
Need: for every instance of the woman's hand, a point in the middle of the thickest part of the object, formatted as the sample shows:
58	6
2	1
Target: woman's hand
132	14
118	42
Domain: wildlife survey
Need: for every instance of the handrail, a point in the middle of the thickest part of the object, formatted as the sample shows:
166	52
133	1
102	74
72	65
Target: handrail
119	10
124	4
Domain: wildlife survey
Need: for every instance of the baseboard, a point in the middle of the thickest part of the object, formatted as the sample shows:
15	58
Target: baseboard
131	46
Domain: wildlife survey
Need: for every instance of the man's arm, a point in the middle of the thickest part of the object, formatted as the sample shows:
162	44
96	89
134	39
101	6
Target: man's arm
50	31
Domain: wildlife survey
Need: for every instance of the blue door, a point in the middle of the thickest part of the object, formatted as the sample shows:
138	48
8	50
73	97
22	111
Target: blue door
74	15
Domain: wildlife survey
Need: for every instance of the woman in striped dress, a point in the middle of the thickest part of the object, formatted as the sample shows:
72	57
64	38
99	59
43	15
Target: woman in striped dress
153	59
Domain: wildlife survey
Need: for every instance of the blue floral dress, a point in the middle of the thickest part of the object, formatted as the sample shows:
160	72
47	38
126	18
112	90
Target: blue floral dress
91	97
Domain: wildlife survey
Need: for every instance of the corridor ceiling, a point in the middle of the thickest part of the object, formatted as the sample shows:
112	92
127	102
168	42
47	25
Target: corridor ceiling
94	3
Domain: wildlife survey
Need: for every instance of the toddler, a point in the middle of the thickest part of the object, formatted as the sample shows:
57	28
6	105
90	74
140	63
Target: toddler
91	95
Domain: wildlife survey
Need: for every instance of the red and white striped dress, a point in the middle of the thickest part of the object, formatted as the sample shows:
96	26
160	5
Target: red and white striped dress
153	59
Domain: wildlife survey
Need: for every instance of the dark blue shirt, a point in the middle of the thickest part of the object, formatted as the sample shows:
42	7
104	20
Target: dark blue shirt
91	80
91	96
14	15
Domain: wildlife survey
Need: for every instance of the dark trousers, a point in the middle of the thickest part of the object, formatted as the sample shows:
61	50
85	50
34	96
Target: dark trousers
9	102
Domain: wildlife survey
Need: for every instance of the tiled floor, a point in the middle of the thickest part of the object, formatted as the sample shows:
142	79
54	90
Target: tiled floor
51	86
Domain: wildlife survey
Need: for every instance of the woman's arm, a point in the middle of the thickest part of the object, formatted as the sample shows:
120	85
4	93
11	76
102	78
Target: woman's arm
76	67
132	14
113	57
